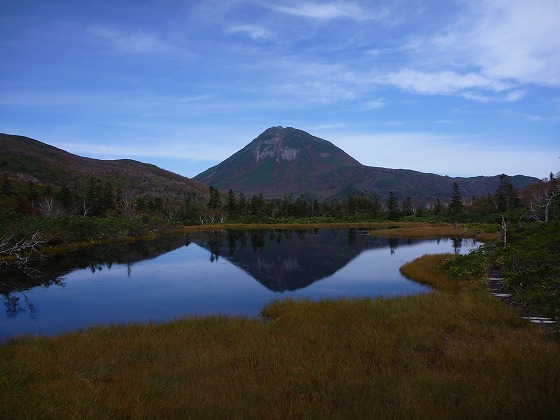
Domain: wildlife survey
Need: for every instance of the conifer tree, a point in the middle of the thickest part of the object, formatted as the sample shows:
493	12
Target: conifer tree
507	197
438	207
231	202
407	207
214	202
393	206
352	207
456	205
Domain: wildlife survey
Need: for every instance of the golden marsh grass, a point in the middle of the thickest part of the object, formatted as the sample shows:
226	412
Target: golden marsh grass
481	232
450	353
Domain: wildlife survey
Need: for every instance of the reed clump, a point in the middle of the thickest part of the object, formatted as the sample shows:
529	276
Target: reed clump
455	352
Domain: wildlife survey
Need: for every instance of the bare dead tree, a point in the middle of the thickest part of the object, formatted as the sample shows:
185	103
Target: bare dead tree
504	231
125	204
171	210
49	207
86	208
21	250
541	201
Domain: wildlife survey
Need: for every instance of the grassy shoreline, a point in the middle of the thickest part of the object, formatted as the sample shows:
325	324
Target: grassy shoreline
484	232
451	352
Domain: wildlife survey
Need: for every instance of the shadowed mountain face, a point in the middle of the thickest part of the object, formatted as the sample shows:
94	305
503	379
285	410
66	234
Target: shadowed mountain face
281	260
286	161
280	162
32	160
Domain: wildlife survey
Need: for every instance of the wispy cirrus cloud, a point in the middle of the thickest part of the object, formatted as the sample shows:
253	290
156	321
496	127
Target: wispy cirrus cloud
513	41
130	42
516	40
488	53
442	82
374	104
512	96
256	32
324	11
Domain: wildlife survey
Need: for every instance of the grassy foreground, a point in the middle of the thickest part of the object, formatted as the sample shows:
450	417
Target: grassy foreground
452	353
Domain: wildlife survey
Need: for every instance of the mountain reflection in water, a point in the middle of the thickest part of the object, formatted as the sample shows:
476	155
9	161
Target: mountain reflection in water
287	260
202	273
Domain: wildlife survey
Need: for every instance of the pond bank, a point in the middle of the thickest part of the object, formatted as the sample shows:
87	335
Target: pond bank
453	352
481	232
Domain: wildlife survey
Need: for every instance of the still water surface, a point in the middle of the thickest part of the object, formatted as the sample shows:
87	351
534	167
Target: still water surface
220	272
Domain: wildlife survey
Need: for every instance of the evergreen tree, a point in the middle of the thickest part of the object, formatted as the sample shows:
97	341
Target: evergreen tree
456	205
393	206
352	205
438	207
242	205
231	202
407	207
257	205
65	197
94	196
287	206
315	207
214	202
507	197
334	208
300	207
107	198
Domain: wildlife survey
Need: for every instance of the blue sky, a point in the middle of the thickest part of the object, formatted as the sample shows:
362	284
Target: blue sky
454	87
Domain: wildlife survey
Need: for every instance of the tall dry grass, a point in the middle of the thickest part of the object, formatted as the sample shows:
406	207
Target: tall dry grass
482	232
451	353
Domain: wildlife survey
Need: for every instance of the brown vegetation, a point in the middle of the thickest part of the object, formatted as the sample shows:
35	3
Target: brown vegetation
482	232
456	353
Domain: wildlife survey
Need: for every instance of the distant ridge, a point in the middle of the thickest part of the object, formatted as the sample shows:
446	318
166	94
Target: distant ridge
284	162
31	160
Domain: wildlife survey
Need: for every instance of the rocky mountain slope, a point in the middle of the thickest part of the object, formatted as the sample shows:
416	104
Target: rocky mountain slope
287	161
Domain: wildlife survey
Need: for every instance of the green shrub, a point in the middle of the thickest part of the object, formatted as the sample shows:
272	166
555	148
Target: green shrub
470	266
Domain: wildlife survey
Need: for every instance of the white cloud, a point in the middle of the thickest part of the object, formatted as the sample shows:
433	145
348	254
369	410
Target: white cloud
254	31
325	11
133	42
512	96
374	104
487	52
442	82
517	39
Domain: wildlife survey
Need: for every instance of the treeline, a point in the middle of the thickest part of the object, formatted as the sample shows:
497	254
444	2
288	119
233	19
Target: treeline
97	199
540	202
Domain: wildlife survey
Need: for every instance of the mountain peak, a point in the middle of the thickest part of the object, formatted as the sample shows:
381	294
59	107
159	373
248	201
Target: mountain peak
287	161
277	163
288	143
271	144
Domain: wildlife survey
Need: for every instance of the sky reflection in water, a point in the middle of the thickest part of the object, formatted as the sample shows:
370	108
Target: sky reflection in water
225	272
